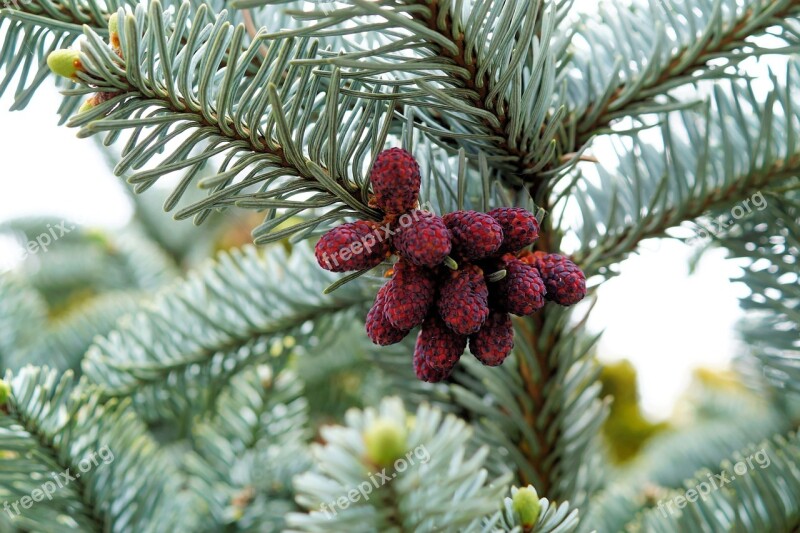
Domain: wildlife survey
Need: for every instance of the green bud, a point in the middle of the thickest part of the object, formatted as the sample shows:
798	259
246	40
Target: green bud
526	504
113	33
5	392
65	63
113	24
87	105
385	441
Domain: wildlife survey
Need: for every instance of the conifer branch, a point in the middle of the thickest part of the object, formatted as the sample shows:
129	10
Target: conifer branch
525	156
547	412
618	246
769	240
692	61
475	79
432	445
178	351
246	454
764	498
720	420
265	164
57	431
744	146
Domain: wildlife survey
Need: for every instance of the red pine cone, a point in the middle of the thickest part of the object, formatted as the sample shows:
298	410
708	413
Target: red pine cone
395	181
520	227
422	238
426	372
354	246
565	281
475	235
437	351
522	291
409	295
379	330
492	344
463	300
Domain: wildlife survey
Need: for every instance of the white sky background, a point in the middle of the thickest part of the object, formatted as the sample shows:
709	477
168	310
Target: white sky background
655	314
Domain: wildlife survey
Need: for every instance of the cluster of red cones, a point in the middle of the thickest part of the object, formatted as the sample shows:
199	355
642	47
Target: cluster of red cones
460	276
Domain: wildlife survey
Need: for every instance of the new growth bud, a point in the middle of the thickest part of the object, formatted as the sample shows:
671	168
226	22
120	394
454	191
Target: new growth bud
65	62
5	392
385	441
525	503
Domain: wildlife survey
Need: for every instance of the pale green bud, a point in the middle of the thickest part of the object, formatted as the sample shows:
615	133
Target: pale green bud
65	62
5	392
385	441
526	504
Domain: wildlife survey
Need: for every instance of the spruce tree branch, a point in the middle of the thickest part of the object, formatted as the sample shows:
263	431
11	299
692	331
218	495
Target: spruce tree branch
692	61
409	500
547	412
154	373
553	516
177	350
473	79
543	149
246	454
487	95
561	388
65	428
48	25
767	242
537	458
721	418
765	499
737	146
260	123
64	16
63	343
618	246
56	455
682	65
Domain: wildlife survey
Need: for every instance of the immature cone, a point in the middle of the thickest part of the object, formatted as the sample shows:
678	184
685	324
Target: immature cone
395	181
427	373
422	238
437	351
520	227
65	62
385	441
522	291
525	503
565	282
379	329
463	300
354	246
409	295
475	235
494	341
